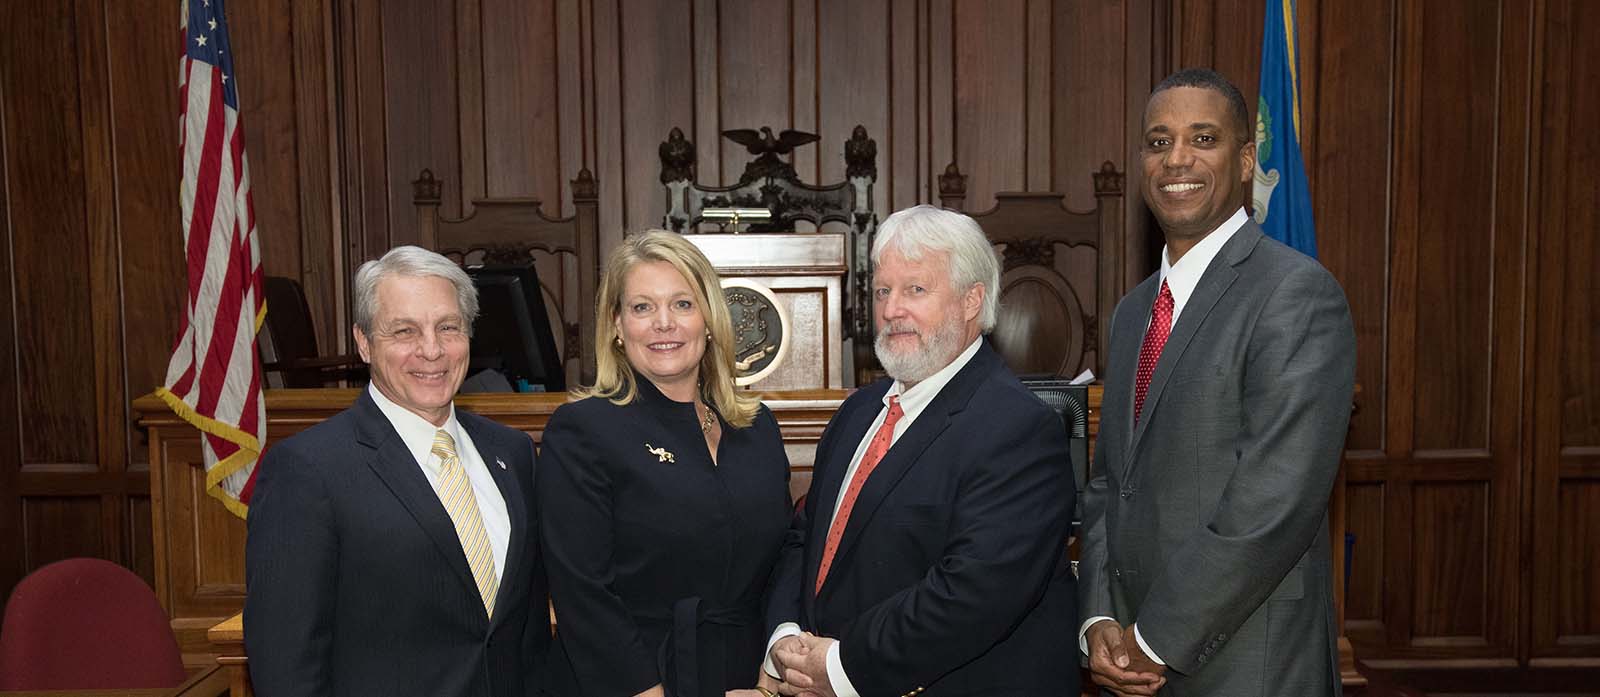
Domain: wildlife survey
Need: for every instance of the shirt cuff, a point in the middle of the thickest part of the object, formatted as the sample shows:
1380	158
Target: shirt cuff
784	630
841	682
1083	632
1146	647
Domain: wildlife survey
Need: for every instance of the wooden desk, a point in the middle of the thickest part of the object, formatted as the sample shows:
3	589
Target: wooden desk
207	682
227	639
199	545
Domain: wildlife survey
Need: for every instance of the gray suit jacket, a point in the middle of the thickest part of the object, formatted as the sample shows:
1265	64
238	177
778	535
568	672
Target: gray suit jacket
1207	521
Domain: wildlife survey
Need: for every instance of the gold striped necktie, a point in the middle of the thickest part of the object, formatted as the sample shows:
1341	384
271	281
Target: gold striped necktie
455	491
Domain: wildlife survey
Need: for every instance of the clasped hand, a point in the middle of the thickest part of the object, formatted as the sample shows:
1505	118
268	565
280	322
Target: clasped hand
1118	664
802	664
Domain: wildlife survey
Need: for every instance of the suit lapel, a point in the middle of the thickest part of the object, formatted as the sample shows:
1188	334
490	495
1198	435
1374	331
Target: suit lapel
1216	280
399	471
1124	363
497	458
907	451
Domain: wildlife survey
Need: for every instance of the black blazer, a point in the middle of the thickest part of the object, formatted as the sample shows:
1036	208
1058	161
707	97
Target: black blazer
356	582
952	574
659	561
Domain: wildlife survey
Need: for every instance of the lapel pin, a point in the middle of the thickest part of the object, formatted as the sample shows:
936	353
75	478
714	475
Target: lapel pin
661	454
500	462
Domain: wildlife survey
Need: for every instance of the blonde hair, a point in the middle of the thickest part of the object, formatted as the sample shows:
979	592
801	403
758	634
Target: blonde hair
614	376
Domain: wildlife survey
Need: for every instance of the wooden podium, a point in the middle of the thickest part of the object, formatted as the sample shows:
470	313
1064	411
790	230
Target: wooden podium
806	272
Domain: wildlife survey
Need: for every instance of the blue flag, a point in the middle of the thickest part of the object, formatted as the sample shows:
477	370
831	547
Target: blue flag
1282	197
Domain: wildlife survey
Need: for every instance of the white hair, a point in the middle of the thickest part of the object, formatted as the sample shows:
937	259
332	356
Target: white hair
920	229
415	262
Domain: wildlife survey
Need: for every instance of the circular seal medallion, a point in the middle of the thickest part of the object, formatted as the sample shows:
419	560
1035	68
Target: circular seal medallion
761	329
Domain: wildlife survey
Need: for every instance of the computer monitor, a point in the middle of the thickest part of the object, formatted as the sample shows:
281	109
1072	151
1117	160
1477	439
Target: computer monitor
512	333
1071	403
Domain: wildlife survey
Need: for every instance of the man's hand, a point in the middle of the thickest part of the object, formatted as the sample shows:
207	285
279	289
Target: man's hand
1138	661
805	670
784	650
1114	668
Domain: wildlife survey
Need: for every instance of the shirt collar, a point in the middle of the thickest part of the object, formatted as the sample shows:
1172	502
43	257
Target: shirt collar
414	430
912	401
1184	276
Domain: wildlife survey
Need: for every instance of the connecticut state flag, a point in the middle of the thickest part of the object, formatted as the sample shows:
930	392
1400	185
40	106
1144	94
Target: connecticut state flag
1282	197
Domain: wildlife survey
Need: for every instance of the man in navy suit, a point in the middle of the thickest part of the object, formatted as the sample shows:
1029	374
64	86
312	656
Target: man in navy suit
392	549
929	557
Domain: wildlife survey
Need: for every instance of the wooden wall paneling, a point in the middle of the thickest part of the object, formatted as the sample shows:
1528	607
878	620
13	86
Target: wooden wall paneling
854	86
1038	149
657	95
572	124
1364	594
1506	382
1565	619
708	49
1401	328
420	129
469	81
1450	523
147	167
902	175
363	147
806	43
11	560
1090	97
263	51
104	257
45	173
1145	59
321	269
939	55
756	52
1456	192
521	103
990	102
1350	180
610	165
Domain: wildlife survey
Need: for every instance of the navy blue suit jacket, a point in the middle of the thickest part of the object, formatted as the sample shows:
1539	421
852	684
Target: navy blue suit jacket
952	574
356	582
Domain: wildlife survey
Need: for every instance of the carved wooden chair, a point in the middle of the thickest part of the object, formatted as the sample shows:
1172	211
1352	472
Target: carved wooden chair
1057	283
507	231
771	183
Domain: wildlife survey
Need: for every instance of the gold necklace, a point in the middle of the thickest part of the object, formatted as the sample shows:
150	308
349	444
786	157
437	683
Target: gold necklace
707	421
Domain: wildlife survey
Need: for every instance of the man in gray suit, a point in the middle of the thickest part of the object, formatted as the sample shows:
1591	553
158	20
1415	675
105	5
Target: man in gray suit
1206	566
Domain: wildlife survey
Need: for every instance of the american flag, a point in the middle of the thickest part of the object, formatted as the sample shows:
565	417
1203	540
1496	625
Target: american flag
214	377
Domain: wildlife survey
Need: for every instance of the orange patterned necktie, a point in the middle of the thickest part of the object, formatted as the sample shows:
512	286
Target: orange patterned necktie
869	460
1155	338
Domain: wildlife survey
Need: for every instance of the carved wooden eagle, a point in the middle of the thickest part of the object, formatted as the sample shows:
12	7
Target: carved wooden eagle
762	142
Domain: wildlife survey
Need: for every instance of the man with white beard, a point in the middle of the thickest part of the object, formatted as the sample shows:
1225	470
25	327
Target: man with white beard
929	557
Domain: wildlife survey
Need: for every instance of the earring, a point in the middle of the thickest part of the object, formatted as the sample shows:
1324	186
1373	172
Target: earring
619	342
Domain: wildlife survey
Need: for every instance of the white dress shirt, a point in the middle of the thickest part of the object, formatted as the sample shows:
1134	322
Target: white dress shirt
417	434
913	402
1181	279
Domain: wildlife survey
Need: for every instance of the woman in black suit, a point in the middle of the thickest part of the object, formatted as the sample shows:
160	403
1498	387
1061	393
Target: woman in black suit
663	493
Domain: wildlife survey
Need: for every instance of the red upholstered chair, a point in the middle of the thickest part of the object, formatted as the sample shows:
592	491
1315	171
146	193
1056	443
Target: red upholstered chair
86	624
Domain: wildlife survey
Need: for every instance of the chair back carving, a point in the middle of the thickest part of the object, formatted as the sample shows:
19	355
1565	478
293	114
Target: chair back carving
771	183
517	231
1057	283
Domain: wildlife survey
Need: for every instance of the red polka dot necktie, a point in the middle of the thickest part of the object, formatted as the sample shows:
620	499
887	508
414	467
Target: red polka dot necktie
1155	338
869	461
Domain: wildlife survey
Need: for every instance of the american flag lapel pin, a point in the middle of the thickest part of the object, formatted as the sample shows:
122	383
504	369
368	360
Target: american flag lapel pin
500	462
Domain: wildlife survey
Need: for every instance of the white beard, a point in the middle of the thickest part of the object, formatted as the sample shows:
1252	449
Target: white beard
935	352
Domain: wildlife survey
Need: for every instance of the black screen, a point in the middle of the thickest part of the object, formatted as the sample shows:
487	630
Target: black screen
512	333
